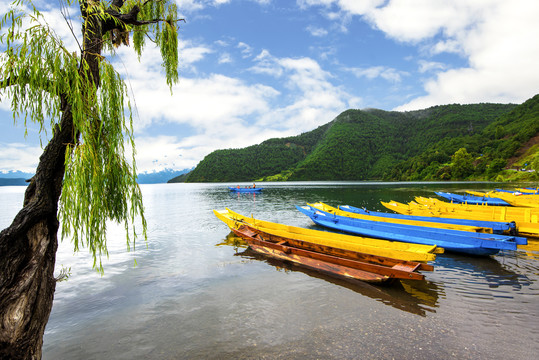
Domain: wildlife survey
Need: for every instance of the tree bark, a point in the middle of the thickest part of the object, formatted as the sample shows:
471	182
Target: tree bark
28	254
28	246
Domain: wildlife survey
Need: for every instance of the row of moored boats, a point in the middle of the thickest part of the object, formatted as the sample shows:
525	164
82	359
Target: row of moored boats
383	246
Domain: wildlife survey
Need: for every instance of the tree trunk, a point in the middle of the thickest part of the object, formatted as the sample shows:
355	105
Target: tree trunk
28	254
28	246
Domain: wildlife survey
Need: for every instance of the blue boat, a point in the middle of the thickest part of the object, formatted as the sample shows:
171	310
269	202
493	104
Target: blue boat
471	243
497	227
506	191
245	190
472	200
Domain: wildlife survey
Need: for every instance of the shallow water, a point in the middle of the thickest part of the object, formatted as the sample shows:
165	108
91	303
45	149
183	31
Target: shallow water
198	293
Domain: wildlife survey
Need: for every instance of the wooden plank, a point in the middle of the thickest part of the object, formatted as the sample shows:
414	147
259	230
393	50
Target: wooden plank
406	267
388	271
347	254
332	269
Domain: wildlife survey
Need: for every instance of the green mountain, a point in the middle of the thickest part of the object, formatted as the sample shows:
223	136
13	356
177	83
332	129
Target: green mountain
476	141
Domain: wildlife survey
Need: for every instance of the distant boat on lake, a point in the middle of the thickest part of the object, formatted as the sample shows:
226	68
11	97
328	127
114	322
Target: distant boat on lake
242	190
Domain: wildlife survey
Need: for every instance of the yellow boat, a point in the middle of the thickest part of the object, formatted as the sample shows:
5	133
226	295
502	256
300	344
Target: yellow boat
528	191
515	199
336	211
391	249
498	213
526	219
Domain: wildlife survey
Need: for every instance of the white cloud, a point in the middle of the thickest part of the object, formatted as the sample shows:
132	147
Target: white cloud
225	58
428	66
266	64
246	50
225	112
502	52
317	31
19	156
498	38
386	73
315	98
158	153
189	54
200	102
197	5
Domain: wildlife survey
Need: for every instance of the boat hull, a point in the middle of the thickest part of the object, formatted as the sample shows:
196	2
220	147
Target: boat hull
496	227
514	199
344	264
472	200
245	190
451	240
391	220
392	249
525	219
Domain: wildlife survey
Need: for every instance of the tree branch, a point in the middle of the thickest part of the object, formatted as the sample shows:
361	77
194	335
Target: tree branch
120	20
15	80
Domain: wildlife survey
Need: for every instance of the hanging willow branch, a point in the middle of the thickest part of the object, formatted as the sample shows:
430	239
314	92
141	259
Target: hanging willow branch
44	81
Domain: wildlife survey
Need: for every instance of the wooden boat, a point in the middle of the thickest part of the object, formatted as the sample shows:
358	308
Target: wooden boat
499	213
471	243
518	192
497	227
392	249
531	191
244	190
337	262
414	222
526	219
515	199
471	199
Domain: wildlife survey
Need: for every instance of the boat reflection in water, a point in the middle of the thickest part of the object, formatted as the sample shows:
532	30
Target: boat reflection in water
416	297
246	195
473	272
531	250
234	241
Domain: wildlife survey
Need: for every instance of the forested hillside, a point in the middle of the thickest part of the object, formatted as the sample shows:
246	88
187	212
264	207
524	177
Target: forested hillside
439	143
265	159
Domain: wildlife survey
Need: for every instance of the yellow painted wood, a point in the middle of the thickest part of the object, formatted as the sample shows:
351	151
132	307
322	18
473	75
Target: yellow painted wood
392	249
336	211
435	208
528	191
511	198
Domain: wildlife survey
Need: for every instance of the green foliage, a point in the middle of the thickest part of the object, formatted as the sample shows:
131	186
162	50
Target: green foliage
38	68
41	76
461	164
439	143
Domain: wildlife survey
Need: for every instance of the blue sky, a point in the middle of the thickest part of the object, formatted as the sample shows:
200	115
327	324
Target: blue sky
257	69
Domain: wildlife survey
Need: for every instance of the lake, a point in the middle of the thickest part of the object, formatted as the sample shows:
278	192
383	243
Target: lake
198	293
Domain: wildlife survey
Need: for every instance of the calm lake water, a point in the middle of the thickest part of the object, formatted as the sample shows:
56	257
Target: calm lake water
196	293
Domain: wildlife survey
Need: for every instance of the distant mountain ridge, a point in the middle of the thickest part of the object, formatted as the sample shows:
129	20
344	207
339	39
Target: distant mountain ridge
12	178
160	177
376	144
13	182
15	174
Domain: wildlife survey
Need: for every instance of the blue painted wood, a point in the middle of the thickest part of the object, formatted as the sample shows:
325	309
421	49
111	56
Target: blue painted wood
452	240
249	190
472	200
518	192
497	227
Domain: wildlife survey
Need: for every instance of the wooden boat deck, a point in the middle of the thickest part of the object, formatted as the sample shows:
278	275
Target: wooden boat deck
344	264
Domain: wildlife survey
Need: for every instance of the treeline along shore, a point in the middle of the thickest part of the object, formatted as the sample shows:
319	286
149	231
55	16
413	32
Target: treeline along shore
450	142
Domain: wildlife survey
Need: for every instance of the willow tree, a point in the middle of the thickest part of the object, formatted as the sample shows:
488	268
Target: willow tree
83	178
